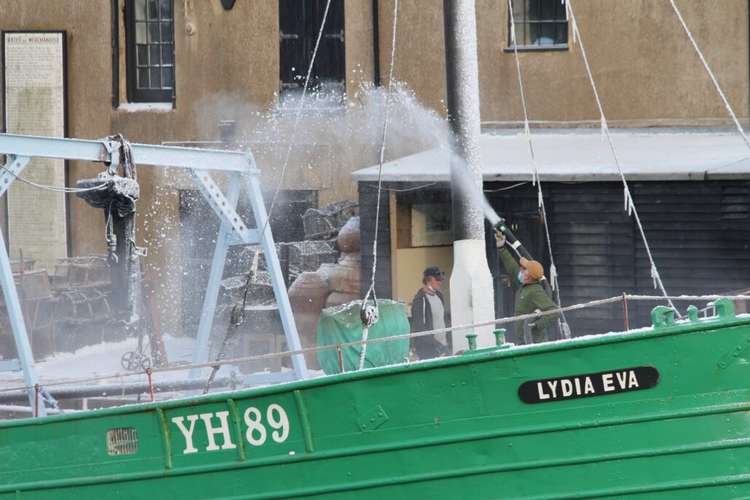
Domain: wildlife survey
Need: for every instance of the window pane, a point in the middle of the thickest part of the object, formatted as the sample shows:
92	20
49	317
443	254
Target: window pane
548	31
167	81
153	9
534	9
150	63
539	22
155	78
153	33
166	32
559	11
535	34
562	33
140	10
299	23
547	9
543	10
154	55
166	54
142	55
142	78
166	9
519	8
140	33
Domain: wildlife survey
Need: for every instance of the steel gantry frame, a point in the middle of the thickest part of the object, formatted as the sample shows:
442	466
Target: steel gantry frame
243	176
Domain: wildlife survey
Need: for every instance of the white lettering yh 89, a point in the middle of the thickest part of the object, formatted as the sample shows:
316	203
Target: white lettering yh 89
217	423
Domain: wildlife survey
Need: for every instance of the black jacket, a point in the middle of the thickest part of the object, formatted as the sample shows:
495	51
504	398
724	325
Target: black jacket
428	346
421	313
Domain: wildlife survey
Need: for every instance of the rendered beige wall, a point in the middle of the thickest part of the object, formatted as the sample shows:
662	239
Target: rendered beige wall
645	68
221	56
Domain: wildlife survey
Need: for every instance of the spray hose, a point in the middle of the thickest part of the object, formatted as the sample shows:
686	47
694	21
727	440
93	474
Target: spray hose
520	250
514	242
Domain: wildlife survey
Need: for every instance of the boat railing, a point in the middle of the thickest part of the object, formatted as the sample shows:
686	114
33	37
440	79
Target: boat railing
170	388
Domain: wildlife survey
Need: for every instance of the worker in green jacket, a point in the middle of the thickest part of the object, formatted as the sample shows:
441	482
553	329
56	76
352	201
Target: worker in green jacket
530	295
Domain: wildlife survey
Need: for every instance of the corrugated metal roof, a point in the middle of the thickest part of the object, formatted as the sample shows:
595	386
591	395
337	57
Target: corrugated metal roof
584	155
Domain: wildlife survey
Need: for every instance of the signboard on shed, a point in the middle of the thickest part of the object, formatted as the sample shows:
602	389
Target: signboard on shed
33	67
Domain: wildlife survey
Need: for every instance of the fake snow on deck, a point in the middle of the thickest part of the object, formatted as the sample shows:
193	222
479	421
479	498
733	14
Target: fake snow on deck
104	360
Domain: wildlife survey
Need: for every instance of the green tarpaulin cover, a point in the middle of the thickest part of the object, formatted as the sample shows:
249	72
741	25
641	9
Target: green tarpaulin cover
341	324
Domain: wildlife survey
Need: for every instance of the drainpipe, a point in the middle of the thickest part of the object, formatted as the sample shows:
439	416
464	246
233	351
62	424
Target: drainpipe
471	290
115	15
376	42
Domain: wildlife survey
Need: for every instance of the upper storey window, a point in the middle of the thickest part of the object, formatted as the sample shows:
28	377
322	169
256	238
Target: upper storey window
540	24
150	50
299	22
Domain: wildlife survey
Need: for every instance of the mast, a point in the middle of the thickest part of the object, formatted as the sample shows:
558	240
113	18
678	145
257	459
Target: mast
471	289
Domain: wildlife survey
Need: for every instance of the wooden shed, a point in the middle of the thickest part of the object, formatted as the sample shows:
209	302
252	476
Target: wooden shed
691	189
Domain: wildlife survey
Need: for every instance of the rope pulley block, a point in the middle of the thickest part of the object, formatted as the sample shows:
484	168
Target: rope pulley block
369	313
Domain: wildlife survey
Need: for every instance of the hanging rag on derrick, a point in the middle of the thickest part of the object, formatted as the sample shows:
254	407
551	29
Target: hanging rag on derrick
117	197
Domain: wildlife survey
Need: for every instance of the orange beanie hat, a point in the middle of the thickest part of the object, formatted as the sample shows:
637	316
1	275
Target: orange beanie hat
534	268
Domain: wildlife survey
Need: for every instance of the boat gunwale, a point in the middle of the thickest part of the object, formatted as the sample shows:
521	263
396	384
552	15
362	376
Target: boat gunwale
480	356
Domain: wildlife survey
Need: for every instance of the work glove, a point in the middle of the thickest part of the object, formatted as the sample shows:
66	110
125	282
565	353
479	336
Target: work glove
499	238
532	324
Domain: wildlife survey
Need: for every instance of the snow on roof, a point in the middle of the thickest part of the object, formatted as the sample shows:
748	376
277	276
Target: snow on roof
584	155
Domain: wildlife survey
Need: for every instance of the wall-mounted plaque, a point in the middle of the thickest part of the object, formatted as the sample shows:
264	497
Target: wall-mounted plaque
33	68
431	224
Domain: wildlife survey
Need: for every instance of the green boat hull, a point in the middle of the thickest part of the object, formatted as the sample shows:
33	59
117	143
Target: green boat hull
665	412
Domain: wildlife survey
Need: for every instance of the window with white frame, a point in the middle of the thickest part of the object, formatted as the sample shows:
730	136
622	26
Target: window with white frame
150	69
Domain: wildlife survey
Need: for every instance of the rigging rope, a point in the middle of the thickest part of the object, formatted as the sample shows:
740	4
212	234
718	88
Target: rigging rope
297	118
382	148
565	329
710	74
236	319
239	315
54	189
369	315
629	203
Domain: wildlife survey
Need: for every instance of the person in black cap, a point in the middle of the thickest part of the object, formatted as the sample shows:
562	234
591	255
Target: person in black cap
428	312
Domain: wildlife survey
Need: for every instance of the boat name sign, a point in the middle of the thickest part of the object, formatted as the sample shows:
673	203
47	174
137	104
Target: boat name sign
587	385
258	429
